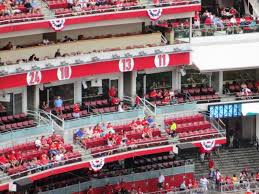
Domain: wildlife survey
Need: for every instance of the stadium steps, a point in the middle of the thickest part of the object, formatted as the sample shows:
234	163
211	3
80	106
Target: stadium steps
4	177
86	155
233	161
48	13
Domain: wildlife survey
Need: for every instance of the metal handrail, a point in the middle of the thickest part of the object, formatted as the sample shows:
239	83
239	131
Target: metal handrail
90	157
177	191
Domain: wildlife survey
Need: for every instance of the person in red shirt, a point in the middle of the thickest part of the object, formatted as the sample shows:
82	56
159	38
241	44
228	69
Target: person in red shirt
211	164
4	162
166	100
144	122
90	190
115	101
112	92
12	159
18	156
147	133
76	110
257	177
139	190
137	101
153	94
133	125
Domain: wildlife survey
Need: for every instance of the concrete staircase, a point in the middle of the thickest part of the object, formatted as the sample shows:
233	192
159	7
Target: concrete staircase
48	13
229	161
86	155
232	161
4	177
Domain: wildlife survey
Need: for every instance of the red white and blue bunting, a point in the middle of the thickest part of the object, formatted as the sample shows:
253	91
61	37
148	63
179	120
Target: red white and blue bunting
155	14
97	164
58	24
208	145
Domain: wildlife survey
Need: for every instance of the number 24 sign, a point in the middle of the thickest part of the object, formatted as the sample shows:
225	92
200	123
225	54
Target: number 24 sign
33	78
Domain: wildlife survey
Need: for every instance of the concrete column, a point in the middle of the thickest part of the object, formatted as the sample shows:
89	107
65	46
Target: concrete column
37	97
190	30
215	81
133	89
77	92
24	99
120	86
220	82
257	126
175	79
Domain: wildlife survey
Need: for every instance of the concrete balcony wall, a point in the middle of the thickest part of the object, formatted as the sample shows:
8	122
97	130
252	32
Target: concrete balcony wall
82	46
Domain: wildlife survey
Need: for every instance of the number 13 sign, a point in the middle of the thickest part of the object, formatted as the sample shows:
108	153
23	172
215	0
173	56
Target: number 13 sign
126	64
162	60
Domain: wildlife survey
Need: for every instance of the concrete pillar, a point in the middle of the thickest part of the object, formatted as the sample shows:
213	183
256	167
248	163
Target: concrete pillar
248	127
220	82
37	97
190	30
24	99
120	86
175	85
215	81
257	126
133	89
77	92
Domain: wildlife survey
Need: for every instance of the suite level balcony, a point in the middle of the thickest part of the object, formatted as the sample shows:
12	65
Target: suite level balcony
94	49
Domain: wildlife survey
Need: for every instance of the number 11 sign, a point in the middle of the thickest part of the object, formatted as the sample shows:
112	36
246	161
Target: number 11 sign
162	60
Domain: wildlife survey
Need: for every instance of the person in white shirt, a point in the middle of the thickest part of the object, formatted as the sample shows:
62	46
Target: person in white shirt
161	180
120	109
204	183
233	20
38	143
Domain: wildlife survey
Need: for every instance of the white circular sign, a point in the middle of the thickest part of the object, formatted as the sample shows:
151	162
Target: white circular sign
126	64
33	78
162	60
64	73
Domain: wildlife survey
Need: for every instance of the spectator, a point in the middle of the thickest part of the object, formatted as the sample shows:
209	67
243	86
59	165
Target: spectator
38	143
112	92
4	162
150	120
9	46
147	133
45	107
1	62
120	107
80	134
58	103
35	6
204	183
33	58
161	180
28	6
67	39
211	164
76	110
2	107
57	53
183	186
153	94
115	101
137	101
45	41
70	4
173	128
257	176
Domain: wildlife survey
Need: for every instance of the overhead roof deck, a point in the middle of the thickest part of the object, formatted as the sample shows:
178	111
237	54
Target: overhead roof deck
223	53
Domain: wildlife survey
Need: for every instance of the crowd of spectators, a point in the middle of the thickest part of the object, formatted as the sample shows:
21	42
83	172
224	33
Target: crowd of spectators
163	96
12	7
38	155
106	130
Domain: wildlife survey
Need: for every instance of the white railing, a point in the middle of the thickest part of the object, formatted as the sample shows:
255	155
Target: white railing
148	106
88	58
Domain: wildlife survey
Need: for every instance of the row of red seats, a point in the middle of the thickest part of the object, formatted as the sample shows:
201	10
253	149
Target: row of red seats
96	103
209	131
204	97
105	110
23	17
184	119
20	169
19	125
194	126
199	91
69	116
13	118
90	143
153	142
